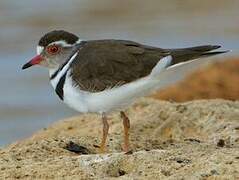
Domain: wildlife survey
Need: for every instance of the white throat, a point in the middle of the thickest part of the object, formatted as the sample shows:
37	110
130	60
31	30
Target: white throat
61	72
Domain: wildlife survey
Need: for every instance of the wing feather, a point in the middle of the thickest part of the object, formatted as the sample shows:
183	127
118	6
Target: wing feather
103	64
108	63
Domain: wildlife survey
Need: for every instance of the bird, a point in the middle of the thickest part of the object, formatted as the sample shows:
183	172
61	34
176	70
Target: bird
107	75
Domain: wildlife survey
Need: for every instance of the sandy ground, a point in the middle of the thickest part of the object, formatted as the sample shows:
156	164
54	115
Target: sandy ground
193	140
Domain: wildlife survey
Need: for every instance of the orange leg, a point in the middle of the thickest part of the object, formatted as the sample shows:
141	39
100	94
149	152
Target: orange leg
126	124
105	133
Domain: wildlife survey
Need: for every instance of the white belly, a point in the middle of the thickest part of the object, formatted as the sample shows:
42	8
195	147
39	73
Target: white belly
107	100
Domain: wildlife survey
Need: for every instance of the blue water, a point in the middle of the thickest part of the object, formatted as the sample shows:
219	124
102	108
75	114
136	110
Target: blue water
28	102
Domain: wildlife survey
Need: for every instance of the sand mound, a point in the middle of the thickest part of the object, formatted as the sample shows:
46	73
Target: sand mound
197	139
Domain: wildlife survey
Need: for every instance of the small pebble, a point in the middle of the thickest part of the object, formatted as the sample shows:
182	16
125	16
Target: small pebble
221	143
73	147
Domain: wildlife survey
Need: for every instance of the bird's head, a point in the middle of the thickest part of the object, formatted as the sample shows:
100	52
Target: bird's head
53	49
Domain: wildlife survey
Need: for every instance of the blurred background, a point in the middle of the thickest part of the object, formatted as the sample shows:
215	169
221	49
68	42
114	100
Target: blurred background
27	101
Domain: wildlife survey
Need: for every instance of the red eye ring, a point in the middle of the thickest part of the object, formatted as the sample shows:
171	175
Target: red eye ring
53	49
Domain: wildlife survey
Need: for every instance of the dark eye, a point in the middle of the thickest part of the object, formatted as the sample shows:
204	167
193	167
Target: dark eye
53	49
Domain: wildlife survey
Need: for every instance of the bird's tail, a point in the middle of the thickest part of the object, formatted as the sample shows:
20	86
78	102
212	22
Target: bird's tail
180	63
187	54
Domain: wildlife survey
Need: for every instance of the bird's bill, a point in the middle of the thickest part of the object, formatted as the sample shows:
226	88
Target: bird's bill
36	60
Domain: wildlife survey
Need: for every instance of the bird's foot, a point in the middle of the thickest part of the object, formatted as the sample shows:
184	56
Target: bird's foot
125	148
101	148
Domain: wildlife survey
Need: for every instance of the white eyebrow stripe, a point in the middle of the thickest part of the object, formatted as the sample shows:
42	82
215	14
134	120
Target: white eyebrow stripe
39	49
62	43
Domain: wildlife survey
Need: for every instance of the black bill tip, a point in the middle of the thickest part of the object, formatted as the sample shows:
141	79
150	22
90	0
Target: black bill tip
27	65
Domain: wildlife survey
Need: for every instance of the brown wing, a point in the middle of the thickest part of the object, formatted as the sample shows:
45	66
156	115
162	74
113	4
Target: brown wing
103	64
